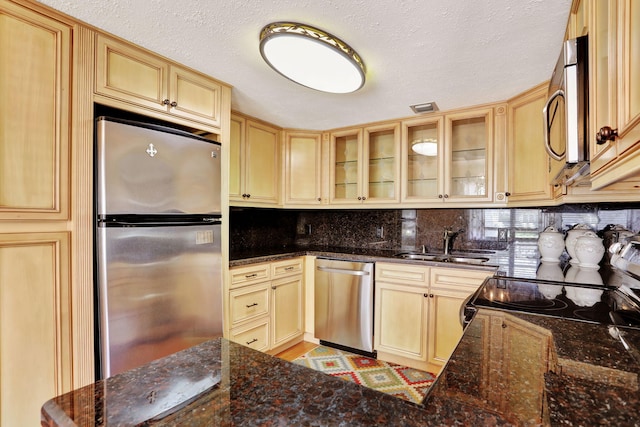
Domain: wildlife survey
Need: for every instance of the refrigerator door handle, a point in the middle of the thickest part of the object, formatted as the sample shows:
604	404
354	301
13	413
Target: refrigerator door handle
154	223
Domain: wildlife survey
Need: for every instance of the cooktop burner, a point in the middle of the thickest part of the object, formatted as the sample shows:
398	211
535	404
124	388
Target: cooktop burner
571	301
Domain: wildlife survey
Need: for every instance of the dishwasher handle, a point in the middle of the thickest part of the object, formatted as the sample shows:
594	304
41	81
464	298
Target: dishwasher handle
343	271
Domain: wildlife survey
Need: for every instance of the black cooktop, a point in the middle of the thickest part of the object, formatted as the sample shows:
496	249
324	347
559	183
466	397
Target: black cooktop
596	304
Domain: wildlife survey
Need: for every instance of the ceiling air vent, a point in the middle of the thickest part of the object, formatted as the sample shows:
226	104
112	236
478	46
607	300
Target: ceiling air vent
427	107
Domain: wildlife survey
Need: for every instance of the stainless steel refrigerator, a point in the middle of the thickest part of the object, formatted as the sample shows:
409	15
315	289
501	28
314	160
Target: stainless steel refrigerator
158	264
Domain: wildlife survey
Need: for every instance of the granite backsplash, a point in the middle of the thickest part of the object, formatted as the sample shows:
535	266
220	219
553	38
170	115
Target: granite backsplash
408	229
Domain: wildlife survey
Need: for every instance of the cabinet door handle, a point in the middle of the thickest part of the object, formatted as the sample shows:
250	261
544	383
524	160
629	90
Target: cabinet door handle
252	341
606	134
252	305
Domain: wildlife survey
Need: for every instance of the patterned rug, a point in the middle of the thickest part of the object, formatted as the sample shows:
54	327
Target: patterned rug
400	381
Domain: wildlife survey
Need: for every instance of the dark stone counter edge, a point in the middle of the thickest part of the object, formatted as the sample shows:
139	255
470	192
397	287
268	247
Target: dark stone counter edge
350	254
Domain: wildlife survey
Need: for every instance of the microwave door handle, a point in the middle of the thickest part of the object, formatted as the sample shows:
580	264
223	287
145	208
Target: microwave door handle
547	139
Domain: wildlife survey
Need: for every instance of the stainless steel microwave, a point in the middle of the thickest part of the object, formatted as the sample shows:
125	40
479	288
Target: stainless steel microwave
566	114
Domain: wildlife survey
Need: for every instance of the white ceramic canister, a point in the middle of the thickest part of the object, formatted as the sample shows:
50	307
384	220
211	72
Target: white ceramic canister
550	244
570	242
589	250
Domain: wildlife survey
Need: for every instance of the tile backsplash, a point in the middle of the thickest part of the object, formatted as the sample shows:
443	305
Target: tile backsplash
407	229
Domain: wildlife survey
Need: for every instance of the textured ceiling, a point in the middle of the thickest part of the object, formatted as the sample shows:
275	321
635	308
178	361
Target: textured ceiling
454	52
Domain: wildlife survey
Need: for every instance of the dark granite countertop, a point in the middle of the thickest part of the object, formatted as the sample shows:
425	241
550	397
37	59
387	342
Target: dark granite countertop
354	254
508	369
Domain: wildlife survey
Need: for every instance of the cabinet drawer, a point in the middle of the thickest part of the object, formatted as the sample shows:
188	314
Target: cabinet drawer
286	267
248	302
255	335
405	273
253	273
458	278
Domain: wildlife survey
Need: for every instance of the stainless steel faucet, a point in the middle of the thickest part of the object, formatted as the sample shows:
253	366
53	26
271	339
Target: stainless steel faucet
449	237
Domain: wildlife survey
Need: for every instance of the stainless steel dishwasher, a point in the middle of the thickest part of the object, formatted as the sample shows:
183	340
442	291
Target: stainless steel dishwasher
344	304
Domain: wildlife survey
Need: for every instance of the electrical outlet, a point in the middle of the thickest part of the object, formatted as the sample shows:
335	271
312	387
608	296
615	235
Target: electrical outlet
503	234
379	232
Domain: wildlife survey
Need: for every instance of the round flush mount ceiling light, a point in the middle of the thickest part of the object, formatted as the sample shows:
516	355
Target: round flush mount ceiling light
312	57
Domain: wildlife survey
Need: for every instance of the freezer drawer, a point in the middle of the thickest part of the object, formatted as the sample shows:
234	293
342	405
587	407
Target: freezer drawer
159	291
344	303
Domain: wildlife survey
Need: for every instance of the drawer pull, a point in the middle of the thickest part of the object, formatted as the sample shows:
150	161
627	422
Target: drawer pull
252	305
289	268
251	276
252	341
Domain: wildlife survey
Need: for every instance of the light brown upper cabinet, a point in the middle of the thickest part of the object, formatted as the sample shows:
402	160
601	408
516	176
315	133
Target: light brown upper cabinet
303	168
458	166
528	160
138	77
254	167
34	119
615	91
364	165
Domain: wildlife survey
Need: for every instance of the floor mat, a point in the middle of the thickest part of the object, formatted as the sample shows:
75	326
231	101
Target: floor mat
399	381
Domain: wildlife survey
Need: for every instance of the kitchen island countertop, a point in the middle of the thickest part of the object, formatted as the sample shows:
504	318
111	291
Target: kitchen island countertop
508	369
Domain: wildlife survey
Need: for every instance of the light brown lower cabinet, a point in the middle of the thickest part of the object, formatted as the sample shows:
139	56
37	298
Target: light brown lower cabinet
417	312
266	305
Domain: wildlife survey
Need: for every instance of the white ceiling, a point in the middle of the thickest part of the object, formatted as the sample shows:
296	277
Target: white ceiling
454	52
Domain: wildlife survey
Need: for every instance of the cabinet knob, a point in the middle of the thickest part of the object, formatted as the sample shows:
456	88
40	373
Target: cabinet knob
446	196
166	102
507	194
430	295
425	295
606	134
319	199
439	196
359	198
174	104
364	198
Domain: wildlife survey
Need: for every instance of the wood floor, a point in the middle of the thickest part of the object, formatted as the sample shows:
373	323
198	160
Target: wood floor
296	351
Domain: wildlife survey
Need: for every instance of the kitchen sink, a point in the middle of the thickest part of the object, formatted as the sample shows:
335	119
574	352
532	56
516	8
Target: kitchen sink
454	258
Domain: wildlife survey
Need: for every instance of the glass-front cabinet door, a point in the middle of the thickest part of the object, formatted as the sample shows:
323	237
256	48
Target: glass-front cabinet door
447	158
365	166
423	141
345	184
381	170
469	156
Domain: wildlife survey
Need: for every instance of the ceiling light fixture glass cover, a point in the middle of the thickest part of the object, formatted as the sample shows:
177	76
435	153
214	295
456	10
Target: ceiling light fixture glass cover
312	57
426	147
